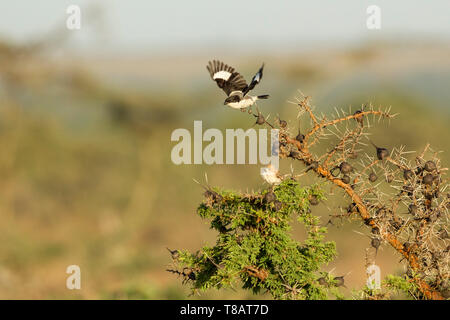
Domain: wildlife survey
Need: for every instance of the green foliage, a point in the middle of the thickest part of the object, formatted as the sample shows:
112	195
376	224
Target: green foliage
399	287
402	284
254	244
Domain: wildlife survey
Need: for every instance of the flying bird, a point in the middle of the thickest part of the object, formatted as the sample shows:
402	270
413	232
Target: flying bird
234	85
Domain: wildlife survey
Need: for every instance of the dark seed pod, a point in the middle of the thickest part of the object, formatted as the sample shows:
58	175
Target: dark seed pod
360	118
413	209
430	166
428	179
407	174
277	205
389	178
375	243
300	137
260	119
345	179
339	281
313	200
283	123
375	231
323	282
270	197
345	167
373	177
382	153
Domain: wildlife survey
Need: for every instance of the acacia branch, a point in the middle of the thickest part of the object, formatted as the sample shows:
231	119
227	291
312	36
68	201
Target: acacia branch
390	236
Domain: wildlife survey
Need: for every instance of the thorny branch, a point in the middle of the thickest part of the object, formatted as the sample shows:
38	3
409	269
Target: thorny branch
412	216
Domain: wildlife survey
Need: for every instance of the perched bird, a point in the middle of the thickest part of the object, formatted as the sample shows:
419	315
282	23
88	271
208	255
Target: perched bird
234	85
271	175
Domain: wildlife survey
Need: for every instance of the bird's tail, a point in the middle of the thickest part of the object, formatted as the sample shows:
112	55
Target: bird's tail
264	96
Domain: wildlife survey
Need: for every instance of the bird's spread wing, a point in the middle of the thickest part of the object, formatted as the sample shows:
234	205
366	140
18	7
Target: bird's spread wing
256	79
226	77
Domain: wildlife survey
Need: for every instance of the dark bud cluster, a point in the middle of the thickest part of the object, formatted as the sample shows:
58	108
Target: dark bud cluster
382	153
373	177
360	118
270	197
408	174
345	167
339	281
300	137
345	179
375	243
313	200
428	179
260	119
430	166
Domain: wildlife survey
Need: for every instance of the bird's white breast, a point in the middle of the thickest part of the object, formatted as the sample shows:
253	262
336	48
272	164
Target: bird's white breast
244	103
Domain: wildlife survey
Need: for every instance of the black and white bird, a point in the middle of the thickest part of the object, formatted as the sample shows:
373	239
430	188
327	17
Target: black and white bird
234	85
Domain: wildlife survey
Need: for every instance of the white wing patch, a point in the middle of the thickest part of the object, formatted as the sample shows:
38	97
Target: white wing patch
225	75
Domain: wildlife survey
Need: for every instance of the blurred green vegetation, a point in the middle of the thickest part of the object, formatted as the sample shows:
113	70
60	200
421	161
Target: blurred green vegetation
86	176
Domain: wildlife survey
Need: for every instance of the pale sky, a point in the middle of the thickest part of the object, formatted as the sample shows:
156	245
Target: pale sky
181	25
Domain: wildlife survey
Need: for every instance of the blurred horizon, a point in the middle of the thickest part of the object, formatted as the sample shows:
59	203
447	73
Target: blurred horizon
234	26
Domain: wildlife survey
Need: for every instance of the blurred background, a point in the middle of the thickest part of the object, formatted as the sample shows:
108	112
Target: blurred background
86	118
